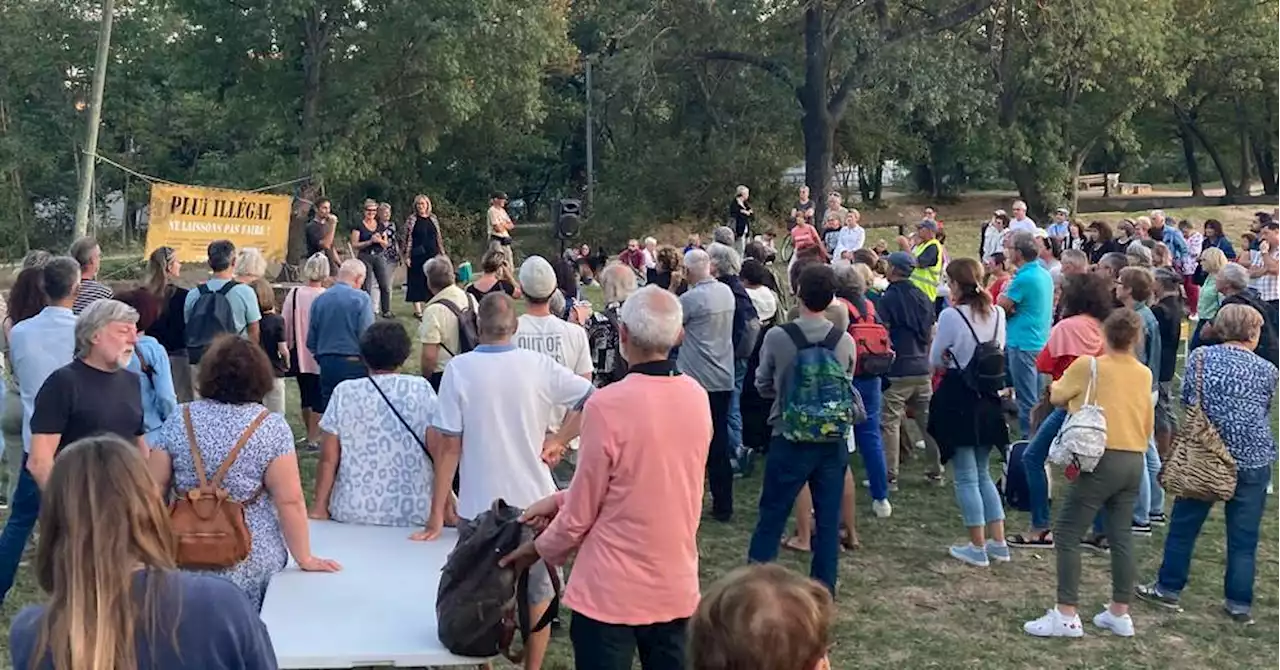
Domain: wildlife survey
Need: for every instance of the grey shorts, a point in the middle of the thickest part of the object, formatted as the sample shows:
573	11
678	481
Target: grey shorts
1166	418
541	589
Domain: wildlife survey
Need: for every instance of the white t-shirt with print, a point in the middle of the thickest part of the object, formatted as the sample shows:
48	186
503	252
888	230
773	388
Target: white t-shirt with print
564	342
499	398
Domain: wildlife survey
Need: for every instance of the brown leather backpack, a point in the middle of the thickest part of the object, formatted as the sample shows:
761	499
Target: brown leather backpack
208	525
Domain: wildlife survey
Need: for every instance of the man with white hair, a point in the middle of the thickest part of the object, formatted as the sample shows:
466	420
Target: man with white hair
725	266
650	255
1170	235
38	347
632	511
706	355
339	316
93	394
1019	220
491	427
603	327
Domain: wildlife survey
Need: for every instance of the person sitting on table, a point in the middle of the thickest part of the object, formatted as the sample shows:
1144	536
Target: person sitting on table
493	419
373	467
264	476
632	510
135	610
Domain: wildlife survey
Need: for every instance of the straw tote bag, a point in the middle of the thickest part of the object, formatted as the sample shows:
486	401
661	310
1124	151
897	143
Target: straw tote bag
1200	467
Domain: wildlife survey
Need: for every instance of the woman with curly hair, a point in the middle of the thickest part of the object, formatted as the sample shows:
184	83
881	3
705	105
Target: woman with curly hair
670	274
234	377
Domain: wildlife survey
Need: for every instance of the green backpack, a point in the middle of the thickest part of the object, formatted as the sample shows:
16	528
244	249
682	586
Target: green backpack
819	402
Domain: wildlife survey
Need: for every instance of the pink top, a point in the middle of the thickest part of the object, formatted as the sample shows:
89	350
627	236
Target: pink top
632	511
297	328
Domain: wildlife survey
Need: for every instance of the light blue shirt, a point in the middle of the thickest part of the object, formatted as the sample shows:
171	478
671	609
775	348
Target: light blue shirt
244	303
1058	229
159	400
37	347
1031	292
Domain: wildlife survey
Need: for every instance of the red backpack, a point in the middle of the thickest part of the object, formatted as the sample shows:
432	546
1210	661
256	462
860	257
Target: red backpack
871	340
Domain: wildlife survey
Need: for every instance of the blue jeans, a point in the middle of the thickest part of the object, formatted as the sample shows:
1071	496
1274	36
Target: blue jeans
334	370
1150	495
1244	519
1020	365
975	492
787	468
867	437
23	512
1033	458
735	406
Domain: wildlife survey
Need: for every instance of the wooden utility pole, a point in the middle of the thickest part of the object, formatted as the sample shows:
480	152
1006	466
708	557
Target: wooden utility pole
85	197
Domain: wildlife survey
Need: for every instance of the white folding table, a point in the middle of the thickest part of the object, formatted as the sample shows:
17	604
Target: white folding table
380	610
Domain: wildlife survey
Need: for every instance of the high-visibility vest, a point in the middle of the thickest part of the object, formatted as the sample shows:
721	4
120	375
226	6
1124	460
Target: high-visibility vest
926	278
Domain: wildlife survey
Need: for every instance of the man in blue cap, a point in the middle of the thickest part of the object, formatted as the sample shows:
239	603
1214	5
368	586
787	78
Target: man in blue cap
928	256
908	314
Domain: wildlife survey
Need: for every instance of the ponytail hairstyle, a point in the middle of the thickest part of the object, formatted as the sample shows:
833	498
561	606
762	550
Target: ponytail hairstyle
158	272
967	275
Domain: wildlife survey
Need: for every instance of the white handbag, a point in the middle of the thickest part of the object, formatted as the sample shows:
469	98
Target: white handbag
1083	437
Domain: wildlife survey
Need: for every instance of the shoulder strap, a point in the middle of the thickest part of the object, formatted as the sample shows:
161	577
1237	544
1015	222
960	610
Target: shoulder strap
972	332
832	340
404	423
203	289
797	336
201	481
293	295
226	288
235	451
1091	389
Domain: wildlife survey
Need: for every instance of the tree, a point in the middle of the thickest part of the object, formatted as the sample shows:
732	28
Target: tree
840	44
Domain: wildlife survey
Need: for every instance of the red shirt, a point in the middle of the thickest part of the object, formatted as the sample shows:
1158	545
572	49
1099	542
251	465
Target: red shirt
997	287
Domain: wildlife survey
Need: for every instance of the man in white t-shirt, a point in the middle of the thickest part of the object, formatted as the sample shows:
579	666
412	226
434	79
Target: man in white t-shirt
491	425
539	331
1019	221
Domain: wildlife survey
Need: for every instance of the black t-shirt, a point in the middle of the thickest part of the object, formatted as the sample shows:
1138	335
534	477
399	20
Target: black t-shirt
270	335
79	400
1169	315
170	328
205	622
741	219
315	233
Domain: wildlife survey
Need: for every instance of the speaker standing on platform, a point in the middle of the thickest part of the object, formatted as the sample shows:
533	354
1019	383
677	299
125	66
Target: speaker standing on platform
500	226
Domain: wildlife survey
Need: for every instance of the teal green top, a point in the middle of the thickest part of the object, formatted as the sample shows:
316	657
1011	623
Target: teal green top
1207	306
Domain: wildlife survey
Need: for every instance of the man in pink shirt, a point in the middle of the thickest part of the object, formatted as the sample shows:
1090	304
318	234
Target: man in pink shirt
633	508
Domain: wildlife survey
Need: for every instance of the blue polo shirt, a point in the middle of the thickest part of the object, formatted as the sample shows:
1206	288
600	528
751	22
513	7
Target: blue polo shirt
339	316
1031	292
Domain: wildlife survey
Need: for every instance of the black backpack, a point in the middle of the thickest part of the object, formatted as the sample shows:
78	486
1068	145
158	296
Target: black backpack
479	606
211	316
468	327
985	372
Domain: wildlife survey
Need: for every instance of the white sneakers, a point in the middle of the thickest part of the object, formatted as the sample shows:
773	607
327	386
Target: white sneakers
1056	624
881	508
1118	625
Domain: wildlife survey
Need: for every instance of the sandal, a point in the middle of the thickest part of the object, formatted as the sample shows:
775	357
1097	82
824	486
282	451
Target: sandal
849	540
793	543
1041	540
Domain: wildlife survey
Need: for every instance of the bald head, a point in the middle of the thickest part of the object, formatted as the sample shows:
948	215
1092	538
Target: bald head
352	272
496	318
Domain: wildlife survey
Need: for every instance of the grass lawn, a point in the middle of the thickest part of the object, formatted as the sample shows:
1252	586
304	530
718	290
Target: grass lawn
903	603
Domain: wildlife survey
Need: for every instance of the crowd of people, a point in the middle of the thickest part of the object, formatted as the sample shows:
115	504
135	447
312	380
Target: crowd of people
525	391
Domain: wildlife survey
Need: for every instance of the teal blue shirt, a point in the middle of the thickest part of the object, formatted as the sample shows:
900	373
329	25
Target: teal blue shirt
244	303
1031	292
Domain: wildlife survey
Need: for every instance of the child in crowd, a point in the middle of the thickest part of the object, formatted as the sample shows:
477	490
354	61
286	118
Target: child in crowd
271	337
763	617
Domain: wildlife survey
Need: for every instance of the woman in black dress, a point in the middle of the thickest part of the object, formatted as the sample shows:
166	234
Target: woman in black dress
422	242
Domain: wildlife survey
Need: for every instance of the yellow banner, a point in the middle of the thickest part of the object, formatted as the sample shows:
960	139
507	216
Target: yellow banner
188	218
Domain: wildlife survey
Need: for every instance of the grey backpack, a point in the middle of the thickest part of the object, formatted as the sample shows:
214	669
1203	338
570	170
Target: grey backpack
479	606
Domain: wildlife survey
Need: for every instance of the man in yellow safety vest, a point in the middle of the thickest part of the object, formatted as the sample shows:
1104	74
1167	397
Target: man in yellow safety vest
928	255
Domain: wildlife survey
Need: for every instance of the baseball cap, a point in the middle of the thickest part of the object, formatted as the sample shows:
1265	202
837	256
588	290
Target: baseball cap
537	279
902	261
931	225
1063	210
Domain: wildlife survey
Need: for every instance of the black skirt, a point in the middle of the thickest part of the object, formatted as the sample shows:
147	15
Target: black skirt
959	417
416	280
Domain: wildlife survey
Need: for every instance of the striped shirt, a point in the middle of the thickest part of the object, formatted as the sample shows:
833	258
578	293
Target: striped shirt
91	291
1267	286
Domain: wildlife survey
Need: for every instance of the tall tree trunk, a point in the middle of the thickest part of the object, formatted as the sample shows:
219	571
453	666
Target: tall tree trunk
877	180
864	183
818	124
1024	177
819	141
1189	155
1265	159
315	50
1243	122
1219	163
